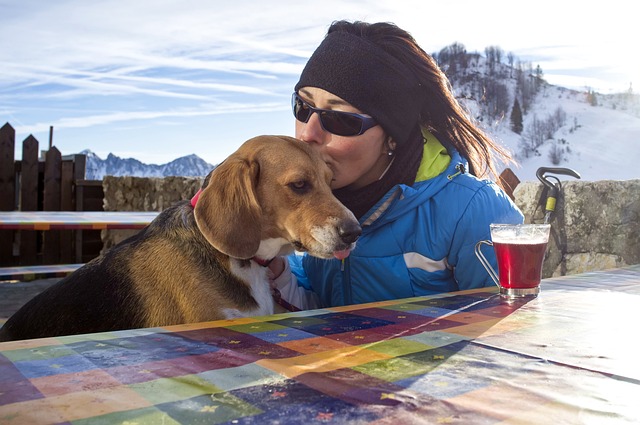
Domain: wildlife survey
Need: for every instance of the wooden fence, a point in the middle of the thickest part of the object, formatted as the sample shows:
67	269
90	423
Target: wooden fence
52	183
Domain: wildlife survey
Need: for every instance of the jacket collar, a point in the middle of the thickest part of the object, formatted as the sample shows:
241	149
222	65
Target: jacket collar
435	158
437	168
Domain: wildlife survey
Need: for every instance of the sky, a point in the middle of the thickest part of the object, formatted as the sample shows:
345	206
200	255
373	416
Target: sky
159	79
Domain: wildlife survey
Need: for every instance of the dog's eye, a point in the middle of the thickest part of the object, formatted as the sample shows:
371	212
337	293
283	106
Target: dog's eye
300	186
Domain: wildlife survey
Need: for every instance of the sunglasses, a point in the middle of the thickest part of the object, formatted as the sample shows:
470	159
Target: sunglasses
335	122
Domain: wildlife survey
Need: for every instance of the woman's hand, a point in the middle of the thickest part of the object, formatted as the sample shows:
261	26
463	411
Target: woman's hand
276	267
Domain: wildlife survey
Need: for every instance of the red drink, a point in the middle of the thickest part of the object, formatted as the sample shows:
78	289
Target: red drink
519	250
519	264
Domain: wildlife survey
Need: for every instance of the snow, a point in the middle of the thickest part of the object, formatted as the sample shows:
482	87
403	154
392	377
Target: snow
604	145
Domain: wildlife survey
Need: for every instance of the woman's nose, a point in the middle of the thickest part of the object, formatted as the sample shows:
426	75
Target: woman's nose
312	130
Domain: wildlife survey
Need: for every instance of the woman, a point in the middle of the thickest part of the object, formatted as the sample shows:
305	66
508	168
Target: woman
407	161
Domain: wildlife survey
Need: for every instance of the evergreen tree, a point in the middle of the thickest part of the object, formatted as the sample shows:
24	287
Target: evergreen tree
516	117
538	77
591	98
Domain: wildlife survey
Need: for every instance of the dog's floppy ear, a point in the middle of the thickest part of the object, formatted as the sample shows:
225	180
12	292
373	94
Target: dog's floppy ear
227	212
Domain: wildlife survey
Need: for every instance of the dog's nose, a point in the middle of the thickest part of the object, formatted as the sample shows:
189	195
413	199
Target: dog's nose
349	232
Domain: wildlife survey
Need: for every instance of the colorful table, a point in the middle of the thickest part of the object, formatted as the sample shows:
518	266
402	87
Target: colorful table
568	356
85	220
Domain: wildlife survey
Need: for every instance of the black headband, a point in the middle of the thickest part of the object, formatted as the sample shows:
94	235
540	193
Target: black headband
368	78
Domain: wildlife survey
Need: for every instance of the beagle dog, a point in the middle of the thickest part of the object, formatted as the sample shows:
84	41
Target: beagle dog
206	259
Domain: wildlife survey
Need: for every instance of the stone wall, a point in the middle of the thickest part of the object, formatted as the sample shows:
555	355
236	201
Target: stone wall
596	225
143	194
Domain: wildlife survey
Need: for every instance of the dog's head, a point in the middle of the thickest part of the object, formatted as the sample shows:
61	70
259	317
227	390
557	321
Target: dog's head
270	197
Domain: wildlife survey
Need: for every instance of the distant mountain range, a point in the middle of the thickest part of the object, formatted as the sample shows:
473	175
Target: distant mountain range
188	166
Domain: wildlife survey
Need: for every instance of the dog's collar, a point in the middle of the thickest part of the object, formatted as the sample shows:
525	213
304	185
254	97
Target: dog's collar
277	298
195	198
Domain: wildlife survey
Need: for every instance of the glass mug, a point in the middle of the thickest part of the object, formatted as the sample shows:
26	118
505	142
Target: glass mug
520	250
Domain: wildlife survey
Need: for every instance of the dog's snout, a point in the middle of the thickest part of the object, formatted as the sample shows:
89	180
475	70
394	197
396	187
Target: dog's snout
349	232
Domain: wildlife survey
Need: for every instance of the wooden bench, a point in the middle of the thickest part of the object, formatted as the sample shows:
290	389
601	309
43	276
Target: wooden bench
61	220
26	273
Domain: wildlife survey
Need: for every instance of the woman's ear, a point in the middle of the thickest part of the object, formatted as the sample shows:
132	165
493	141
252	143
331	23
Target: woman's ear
389	146
228	212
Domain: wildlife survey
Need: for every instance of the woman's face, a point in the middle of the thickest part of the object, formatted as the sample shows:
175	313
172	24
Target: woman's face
355	161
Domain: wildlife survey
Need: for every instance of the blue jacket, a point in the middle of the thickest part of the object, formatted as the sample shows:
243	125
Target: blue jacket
417	240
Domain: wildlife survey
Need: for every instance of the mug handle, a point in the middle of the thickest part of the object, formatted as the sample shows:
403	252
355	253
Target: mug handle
485	263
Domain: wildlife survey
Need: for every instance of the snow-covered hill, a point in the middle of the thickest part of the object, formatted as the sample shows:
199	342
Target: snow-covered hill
597	135
600	142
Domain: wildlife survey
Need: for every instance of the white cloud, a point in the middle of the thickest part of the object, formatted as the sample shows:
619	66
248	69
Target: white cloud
104	119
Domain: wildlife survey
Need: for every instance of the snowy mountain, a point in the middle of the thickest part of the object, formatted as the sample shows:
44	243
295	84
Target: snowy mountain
188	166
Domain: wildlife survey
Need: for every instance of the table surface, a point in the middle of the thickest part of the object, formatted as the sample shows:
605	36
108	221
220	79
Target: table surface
97	220
568	356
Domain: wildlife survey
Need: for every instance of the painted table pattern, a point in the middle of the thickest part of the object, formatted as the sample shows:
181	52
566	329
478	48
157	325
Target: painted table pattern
567	356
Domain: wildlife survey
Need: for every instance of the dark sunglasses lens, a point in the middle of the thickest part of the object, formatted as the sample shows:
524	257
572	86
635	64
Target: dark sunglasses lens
300	110
341	123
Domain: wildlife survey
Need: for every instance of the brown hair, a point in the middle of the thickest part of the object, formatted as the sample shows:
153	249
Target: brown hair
439	111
